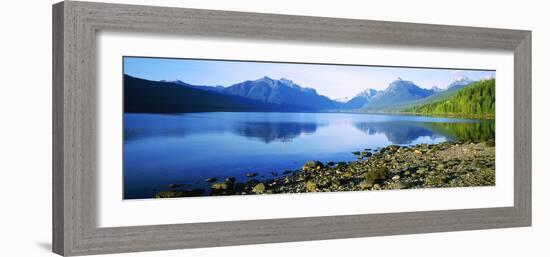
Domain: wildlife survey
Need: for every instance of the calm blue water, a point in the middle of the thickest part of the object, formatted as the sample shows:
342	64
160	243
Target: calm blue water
160	149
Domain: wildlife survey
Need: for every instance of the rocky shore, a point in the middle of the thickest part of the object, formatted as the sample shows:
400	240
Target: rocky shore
448	164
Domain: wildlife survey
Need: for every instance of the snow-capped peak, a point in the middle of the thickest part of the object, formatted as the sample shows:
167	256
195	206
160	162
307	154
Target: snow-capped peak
342	99
460	81
368	93
399	83
461	78
286	81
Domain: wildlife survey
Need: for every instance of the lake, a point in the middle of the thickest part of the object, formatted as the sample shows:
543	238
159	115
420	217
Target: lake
163	149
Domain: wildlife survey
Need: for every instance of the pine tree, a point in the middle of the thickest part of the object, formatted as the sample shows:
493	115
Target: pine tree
476	100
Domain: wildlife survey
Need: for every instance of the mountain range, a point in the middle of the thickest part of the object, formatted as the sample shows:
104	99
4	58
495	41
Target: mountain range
360	99
398	91
146	96
267	94
281	92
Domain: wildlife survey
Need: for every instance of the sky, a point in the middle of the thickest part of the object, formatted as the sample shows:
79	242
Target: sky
333	81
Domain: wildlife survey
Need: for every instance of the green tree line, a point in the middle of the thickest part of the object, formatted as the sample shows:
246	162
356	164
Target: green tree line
475	100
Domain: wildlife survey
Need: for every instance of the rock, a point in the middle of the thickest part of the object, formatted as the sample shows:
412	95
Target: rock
311	186
392	148
421	171
367	154
341	164
240	187
259	188
434	181
365	184
347	174
324	182
312	165
377	173
179	193
175	185
211	180
220	186
356	153
490	143
439	165
228	187
401	185
251	174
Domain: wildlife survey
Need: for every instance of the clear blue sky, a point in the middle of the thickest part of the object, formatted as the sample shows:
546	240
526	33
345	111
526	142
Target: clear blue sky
334	81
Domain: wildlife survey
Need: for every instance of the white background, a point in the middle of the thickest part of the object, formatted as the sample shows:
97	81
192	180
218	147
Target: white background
25	131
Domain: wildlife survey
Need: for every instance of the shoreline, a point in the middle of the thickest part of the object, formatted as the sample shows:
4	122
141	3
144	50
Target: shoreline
447	115
447	164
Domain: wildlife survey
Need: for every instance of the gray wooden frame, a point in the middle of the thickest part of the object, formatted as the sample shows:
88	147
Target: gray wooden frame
75	25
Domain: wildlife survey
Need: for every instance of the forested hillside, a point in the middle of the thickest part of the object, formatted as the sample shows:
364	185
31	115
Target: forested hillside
477	100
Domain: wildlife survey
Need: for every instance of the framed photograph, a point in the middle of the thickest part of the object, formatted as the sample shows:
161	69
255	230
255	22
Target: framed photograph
183	128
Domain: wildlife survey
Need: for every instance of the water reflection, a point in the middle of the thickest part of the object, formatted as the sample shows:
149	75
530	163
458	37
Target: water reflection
397	132
408	132
147	126
161	149
484	129
275	131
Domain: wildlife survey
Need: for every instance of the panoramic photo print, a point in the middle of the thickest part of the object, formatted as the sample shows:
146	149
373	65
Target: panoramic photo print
215	127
